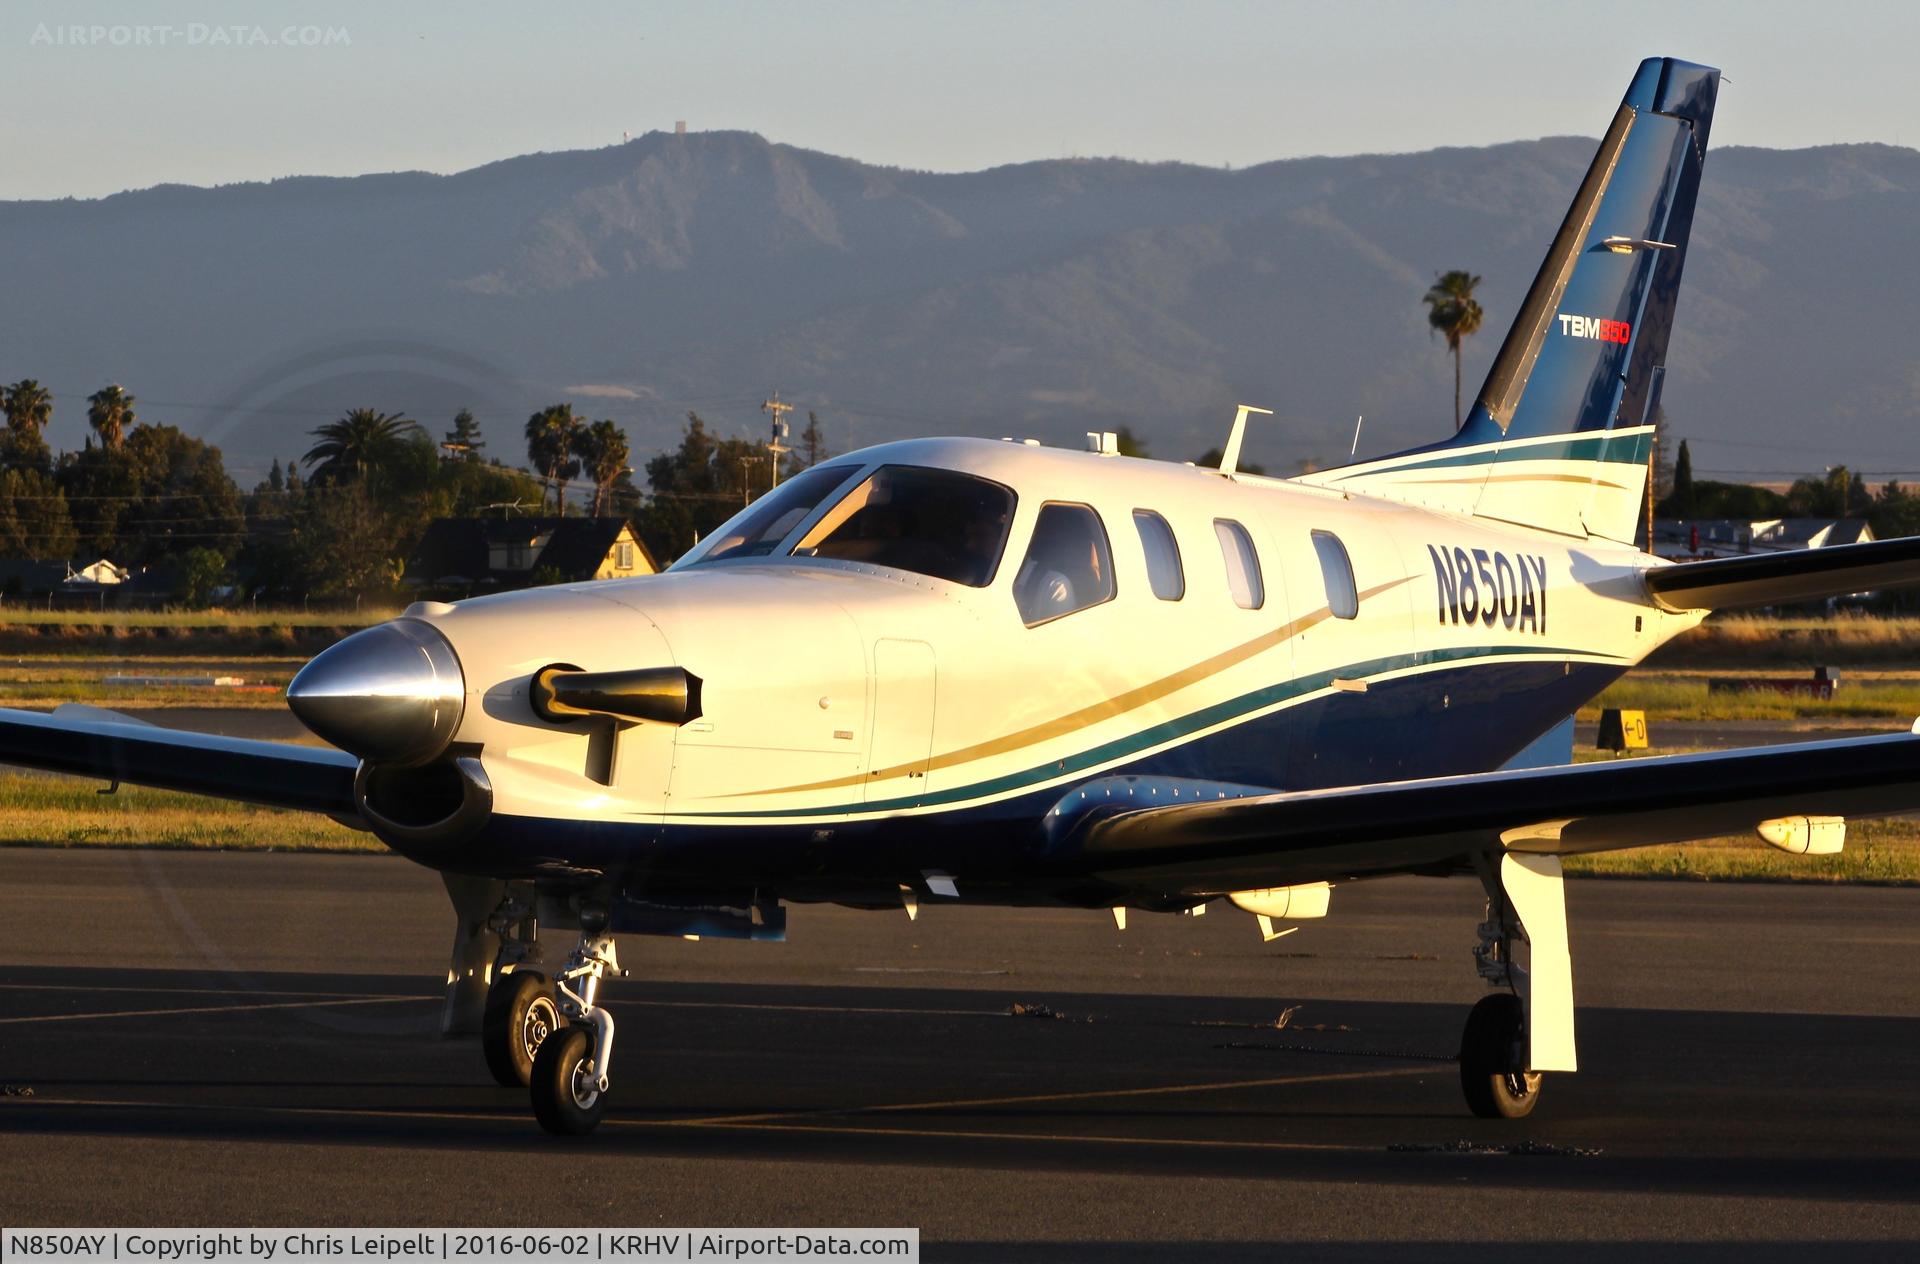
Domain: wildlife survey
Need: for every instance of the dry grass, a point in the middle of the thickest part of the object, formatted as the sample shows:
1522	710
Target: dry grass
75	679
1841	639
1880	701
19	615
1881	851
146	634
51	811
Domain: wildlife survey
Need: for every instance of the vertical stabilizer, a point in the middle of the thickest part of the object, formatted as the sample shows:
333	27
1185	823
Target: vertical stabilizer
1558	437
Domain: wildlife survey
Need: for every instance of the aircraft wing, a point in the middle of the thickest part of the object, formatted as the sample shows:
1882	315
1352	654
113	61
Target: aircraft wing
1221	845
1764	579
91	742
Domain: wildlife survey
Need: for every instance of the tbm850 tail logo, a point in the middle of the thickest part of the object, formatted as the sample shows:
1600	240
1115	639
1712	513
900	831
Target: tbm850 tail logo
1489	587
1595	328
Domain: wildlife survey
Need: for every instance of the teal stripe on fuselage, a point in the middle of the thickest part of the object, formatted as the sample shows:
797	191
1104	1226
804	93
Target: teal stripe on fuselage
1602	447
1164	733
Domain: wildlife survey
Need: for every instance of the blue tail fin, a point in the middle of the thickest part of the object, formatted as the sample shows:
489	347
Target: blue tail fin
1559	435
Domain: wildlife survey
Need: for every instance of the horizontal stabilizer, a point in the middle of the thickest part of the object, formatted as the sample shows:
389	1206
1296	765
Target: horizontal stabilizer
91	742
1766	579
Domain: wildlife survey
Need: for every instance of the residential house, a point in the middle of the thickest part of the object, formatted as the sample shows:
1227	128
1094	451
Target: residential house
480	555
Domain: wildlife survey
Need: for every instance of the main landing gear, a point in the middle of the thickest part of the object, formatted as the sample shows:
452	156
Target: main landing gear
569	1073
1493	1072
1514	1034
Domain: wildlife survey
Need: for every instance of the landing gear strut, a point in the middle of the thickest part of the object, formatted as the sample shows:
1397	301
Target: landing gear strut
1514	1034
569	1073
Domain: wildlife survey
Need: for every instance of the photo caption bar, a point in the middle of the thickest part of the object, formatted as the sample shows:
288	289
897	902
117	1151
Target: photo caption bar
465	1246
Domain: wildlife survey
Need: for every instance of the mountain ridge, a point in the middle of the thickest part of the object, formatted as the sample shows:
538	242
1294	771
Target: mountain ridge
1044	297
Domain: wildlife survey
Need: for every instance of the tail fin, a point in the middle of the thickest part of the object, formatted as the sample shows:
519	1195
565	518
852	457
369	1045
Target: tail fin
1559	435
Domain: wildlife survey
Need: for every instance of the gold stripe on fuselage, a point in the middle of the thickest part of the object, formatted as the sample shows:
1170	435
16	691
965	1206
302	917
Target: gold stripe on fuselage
1106	709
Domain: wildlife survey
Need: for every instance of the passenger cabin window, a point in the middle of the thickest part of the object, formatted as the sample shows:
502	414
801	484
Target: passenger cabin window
1337	570
942	523
1243	564
1164	575
757	531
1068	566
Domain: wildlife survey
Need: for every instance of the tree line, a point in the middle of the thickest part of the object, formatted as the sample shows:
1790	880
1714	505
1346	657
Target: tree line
1892	511
340	521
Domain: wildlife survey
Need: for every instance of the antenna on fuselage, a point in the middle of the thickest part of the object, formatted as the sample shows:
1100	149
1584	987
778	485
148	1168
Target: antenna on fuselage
1355	449
1230	459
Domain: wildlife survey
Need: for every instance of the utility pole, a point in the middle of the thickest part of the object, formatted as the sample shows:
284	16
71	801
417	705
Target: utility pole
778	449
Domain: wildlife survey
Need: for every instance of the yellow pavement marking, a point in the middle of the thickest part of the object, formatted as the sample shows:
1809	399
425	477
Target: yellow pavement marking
776	1122
209	1009
961	1134
164	991
1033	1099
821	1009
129	1103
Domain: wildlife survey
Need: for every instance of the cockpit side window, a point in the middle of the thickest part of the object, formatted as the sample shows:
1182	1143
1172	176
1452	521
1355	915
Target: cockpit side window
757	531
942	523
1068	567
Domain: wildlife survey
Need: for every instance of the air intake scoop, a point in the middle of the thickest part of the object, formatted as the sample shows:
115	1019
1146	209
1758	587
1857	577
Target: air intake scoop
656	695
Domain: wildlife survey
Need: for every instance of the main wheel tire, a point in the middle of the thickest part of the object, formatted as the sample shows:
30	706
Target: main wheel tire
1493	1072
521	1016
565	1101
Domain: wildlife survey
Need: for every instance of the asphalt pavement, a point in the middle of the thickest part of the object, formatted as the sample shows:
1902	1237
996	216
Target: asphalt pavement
230	1039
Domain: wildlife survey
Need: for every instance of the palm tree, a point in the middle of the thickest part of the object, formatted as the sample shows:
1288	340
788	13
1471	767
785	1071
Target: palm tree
29	406
554	435
360	442
110	413
1452	311
604	452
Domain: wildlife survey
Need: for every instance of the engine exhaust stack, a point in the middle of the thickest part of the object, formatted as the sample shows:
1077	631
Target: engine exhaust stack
653	695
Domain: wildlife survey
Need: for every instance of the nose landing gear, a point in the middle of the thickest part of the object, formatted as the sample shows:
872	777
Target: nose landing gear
568	1077
522	1014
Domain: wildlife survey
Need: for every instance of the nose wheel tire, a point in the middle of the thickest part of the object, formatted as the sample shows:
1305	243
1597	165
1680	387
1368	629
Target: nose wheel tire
521	1016
566	1095
1493	1072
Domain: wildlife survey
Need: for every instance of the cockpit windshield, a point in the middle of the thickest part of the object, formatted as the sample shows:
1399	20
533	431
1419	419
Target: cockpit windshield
949	525
758	531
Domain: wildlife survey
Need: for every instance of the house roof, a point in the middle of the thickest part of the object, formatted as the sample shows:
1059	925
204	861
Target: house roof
1756	535
459	550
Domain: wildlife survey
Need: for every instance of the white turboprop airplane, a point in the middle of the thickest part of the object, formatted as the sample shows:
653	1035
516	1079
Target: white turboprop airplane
988	672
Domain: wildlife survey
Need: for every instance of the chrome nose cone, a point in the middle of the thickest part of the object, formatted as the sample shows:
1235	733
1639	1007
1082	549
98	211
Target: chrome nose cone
391	694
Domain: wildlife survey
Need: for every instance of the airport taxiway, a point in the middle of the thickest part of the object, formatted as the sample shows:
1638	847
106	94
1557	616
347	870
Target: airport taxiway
229	1039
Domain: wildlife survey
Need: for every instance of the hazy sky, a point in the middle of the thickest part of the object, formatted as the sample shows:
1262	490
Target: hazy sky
214	91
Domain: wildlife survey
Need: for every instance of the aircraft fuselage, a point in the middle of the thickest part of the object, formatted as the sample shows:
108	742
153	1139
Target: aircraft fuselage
862	725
